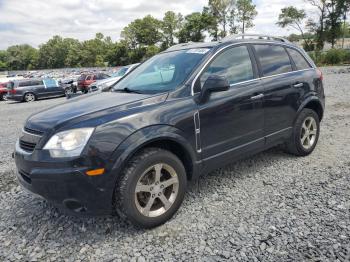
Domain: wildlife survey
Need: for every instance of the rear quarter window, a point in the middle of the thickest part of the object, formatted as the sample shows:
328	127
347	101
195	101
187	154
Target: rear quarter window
298	59
273	59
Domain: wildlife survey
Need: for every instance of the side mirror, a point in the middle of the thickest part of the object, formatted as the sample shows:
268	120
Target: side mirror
214	83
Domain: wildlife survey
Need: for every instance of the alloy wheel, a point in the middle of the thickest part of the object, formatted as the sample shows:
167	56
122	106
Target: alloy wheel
156	190
308	132
29	97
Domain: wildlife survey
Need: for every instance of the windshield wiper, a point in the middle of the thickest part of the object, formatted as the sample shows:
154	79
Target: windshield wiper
127	90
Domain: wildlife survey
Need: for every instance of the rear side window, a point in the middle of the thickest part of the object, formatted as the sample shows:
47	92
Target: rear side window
25	83
273	59
36	82
299	60
234	64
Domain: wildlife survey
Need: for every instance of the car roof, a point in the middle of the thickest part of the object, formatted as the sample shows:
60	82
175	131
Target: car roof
234	39
27	79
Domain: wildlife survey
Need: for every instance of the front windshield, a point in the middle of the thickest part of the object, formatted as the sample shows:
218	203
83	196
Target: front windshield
163	72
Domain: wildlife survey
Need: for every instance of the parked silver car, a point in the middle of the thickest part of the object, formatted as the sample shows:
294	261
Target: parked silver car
105	84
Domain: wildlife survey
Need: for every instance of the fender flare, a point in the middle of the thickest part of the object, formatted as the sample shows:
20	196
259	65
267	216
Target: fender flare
312	98
144	136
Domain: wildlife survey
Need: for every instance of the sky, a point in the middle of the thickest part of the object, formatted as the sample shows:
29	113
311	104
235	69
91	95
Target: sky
35	21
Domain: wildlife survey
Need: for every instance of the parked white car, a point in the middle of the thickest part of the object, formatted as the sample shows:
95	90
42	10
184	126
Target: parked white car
105	84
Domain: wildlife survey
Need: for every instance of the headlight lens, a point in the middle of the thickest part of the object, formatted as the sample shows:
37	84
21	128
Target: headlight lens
68	143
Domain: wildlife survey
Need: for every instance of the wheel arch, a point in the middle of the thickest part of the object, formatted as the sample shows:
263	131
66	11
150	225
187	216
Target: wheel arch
29	92
314	104
160	136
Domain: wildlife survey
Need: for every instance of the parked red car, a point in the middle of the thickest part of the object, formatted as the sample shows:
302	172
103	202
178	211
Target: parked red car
3	91
87	79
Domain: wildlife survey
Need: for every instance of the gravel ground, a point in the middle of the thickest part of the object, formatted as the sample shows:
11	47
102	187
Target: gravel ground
270	207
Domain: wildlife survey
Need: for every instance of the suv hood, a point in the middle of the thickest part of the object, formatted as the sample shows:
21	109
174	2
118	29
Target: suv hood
86	105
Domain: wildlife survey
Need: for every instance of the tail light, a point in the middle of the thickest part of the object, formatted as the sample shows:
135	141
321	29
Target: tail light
319	74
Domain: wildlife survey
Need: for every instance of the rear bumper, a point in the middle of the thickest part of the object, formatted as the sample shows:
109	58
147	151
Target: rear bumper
15	97
68	188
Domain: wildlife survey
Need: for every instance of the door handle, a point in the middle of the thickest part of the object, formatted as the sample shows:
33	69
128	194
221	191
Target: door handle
298	85
260	96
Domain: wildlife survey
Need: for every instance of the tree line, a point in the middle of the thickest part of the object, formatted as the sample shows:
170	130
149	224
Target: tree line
329	25
144	37
139	40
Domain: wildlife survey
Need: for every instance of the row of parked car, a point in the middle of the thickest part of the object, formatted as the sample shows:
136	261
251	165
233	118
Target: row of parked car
31	89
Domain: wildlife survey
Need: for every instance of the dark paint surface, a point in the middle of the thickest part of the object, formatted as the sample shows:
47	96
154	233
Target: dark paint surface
231	125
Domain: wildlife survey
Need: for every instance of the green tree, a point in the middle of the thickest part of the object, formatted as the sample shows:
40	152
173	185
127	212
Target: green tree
21	57
3	60
245	14
53	53
295	18
170	26
318	28
73	57
224	12
145	31
333	22
193	28
117	54
94	51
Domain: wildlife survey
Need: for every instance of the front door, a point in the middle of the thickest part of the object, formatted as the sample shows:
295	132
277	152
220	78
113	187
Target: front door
231	122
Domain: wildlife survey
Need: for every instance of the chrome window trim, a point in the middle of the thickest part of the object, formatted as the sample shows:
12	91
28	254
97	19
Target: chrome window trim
259	78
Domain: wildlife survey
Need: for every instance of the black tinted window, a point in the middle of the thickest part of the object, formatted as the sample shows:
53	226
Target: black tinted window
234	64
25	83
298	59
273	59
36	82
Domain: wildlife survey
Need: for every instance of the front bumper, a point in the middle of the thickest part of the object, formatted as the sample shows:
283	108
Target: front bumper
64	184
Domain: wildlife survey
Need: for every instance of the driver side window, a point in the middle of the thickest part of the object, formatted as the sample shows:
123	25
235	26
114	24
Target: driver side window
234	64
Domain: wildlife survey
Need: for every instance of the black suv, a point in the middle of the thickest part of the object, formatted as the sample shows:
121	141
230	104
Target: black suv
182	113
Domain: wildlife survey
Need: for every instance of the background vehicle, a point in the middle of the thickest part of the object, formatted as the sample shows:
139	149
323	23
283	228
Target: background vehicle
69	85
87	79
32	89
3	91
183	113
105	84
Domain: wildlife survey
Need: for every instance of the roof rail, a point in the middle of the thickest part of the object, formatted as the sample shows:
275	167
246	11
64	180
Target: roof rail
254	36
179	45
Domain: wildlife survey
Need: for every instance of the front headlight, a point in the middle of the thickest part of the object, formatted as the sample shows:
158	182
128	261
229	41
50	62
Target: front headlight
68	143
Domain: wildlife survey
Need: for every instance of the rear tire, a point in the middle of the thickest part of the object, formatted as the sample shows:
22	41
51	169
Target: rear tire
2	97
305	135
29	97
151	188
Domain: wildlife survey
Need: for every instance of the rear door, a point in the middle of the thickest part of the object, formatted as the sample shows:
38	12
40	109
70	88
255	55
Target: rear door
38	88
278	76
231	122
52	88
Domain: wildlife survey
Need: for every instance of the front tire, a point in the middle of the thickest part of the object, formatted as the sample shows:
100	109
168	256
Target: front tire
305	135
151	188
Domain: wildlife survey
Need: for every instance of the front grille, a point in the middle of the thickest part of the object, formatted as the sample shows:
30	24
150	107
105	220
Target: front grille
30	138
32	131
27	146
25	176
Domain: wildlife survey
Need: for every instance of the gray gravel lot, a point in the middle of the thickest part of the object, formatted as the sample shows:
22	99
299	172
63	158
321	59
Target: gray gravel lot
270	207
